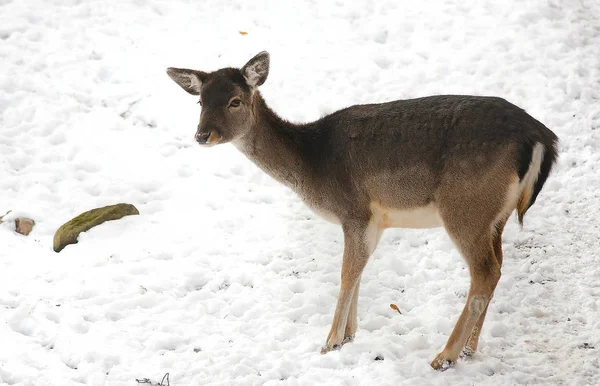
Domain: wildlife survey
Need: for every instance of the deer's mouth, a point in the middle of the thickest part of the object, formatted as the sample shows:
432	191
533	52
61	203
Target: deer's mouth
209	138
214	138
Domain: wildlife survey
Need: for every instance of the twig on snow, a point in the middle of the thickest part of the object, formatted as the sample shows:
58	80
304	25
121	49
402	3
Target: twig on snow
125	114
5	214
161	383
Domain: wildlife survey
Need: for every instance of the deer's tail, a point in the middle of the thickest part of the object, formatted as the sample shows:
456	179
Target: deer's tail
541	157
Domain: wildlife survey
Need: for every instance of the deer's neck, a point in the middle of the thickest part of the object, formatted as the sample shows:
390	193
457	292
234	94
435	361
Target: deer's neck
275	145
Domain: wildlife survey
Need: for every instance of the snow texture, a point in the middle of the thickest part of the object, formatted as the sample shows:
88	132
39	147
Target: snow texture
226	278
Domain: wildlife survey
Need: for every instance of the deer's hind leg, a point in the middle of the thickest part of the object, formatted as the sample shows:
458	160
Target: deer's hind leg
485	272
352	322
474	221
473	340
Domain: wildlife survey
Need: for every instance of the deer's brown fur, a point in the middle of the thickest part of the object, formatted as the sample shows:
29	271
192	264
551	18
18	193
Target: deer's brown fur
461	162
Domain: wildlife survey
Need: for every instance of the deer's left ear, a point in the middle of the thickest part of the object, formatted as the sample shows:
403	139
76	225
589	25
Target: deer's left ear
189	80
257	69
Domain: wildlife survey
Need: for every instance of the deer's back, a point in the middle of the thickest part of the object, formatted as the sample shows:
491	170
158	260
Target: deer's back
400	153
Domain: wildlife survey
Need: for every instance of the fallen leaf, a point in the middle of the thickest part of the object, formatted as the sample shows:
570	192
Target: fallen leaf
243	33
395	307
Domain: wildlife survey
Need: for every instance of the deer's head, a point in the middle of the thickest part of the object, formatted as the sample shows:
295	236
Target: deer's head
225	96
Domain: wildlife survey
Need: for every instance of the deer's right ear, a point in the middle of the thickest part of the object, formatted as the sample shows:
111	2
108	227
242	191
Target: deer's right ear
257	69
189	80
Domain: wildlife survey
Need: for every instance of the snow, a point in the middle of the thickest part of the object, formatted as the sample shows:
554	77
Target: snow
226	278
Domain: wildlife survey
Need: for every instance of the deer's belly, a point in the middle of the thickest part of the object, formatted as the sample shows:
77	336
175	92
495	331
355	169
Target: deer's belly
420	217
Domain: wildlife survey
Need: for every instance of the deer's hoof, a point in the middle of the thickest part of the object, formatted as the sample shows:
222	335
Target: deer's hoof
441	363
331	347
325	349
467	352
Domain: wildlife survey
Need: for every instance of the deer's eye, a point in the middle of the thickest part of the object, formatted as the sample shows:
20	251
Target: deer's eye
235	103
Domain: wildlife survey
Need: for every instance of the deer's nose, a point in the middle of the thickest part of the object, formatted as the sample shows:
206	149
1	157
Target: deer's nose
202	136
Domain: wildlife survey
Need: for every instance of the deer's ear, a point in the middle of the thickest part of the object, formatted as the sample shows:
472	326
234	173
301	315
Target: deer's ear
257	69
189	80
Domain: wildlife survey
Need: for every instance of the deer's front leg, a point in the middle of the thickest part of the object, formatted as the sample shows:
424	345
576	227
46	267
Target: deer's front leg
360	239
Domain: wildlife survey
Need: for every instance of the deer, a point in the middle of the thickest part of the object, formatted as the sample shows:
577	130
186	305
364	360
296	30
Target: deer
460	162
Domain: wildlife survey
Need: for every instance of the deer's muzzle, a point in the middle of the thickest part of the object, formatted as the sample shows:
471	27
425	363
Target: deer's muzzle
210	137
202	137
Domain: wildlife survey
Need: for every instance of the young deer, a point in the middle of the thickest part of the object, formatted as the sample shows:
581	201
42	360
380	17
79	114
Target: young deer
461	162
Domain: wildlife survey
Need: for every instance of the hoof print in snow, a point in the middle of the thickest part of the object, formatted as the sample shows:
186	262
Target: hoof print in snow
24	225
68	232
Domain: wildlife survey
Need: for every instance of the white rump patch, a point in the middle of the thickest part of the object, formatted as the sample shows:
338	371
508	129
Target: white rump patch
510	202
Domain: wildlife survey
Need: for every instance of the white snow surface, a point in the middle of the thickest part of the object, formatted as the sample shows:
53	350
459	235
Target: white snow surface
226	277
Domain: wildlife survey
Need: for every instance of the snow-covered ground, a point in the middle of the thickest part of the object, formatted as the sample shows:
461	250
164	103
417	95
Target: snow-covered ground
226	278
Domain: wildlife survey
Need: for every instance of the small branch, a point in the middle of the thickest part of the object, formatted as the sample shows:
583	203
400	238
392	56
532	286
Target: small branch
162	383
149	382
125	114
5	214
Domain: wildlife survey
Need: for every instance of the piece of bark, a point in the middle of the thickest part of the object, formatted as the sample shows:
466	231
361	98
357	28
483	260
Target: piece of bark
24	225
69	232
